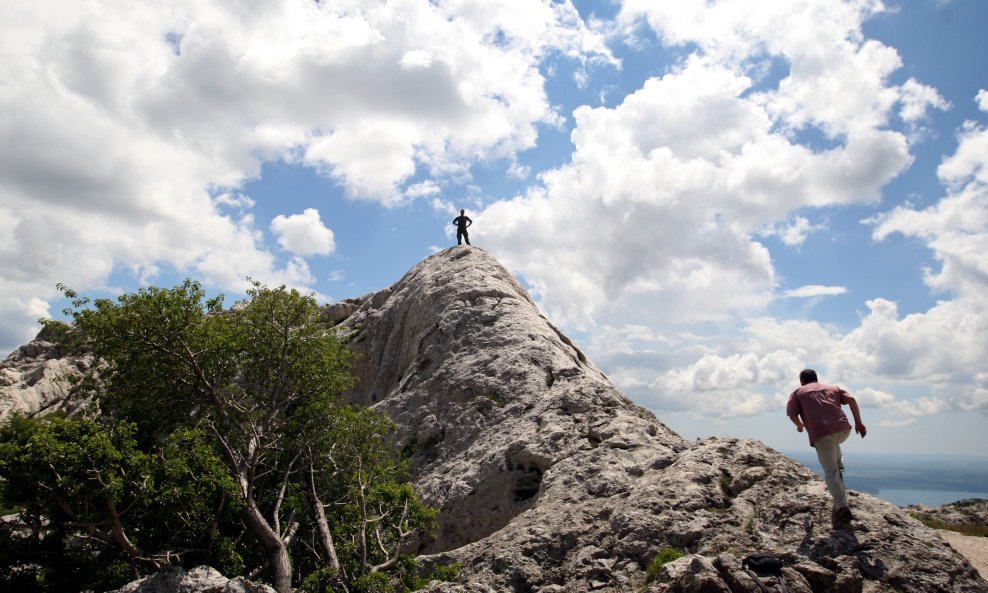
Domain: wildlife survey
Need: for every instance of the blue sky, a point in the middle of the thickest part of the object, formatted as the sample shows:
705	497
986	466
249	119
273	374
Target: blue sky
707	196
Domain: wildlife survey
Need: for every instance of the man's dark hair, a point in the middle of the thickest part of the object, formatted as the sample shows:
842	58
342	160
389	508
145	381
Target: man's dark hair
807	376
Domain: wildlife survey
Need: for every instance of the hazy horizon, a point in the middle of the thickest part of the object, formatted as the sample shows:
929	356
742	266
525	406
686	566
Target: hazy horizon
905	479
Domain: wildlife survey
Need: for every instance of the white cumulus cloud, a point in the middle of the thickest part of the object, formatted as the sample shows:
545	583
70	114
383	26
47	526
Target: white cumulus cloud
793	232
656	216
649	237
303	234
937	352
814	290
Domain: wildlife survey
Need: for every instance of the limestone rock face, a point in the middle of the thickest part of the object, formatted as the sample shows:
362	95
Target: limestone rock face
548	479
495	403
970	512
34	379
202	579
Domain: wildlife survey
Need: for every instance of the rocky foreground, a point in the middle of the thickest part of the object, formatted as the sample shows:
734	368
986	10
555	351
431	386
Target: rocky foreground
963	524
970	514
548	479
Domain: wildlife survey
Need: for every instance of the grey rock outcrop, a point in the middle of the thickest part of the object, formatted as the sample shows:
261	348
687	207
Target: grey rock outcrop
491	398
967	513
35	378
202	579
547	478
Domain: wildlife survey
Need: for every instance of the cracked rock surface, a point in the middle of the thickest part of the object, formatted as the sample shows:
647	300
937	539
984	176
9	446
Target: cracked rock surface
35	378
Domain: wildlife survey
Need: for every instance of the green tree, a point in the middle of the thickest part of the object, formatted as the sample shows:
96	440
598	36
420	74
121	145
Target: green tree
352	471
92	504
253	392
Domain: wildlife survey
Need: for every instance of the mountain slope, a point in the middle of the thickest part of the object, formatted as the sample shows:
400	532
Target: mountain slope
548	478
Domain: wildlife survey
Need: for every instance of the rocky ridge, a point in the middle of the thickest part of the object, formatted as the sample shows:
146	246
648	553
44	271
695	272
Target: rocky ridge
36	378
970	513
548	479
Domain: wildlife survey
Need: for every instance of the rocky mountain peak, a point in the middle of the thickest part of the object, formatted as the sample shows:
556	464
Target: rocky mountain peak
489	396
549	479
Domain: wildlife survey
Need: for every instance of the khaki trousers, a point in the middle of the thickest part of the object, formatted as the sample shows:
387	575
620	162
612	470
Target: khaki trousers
828	452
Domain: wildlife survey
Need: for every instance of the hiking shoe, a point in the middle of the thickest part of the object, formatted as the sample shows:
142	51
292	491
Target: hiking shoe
843	516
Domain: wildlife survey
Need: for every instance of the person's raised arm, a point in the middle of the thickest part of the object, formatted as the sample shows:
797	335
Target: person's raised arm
859	426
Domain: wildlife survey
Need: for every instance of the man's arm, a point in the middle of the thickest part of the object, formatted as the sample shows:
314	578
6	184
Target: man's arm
859	426
795	420
469	222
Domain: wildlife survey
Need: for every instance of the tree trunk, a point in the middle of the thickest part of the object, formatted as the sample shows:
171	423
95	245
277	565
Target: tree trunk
274	547
325	536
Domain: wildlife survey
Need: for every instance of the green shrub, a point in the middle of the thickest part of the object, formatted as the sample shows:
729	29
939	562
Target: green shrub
665	556
254	434
372	582
324	580
725	485
446	572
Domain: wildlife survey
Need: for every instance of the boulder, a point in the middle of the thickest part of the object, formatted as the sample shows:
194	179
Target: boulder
968	513
202	579
37	378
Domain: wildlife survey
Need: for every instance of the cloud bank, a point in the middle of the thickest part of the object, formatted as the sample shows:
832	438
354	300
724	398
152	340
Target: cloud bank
129	128
652	237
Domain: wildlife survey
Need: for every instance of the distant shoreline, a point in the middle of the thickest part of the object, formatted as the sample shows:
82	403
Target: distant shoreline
930	498
870	456
904	479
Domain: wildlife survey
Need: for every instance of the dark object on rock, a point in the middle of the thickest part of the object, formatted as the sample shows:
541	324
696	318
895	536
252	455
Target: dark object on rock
765	565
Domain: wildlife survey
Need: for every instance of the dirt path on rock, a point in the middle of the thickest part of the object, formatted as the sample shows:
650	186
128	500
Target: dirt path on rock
975	549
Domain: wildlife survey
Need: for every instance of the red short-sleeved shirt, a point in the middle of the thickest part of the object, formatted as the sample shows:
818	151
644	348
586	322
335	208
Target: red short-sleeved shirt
818	405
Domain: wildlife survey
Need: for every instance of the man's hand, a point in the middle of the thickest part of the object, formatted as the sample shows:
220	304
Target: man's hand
799	427
861	430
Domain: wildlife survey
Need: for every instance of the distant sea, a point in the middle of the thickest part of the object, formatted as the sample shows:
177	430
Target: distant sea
932	480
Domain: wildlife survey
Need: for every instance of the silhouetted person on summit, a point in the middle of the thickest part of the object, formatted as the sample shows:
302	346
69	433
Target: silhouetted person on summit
816	407
462	222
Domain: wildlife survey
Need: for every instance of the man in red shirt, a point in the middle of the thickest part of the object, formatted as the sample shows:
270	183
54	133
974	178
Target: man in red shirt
816	407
